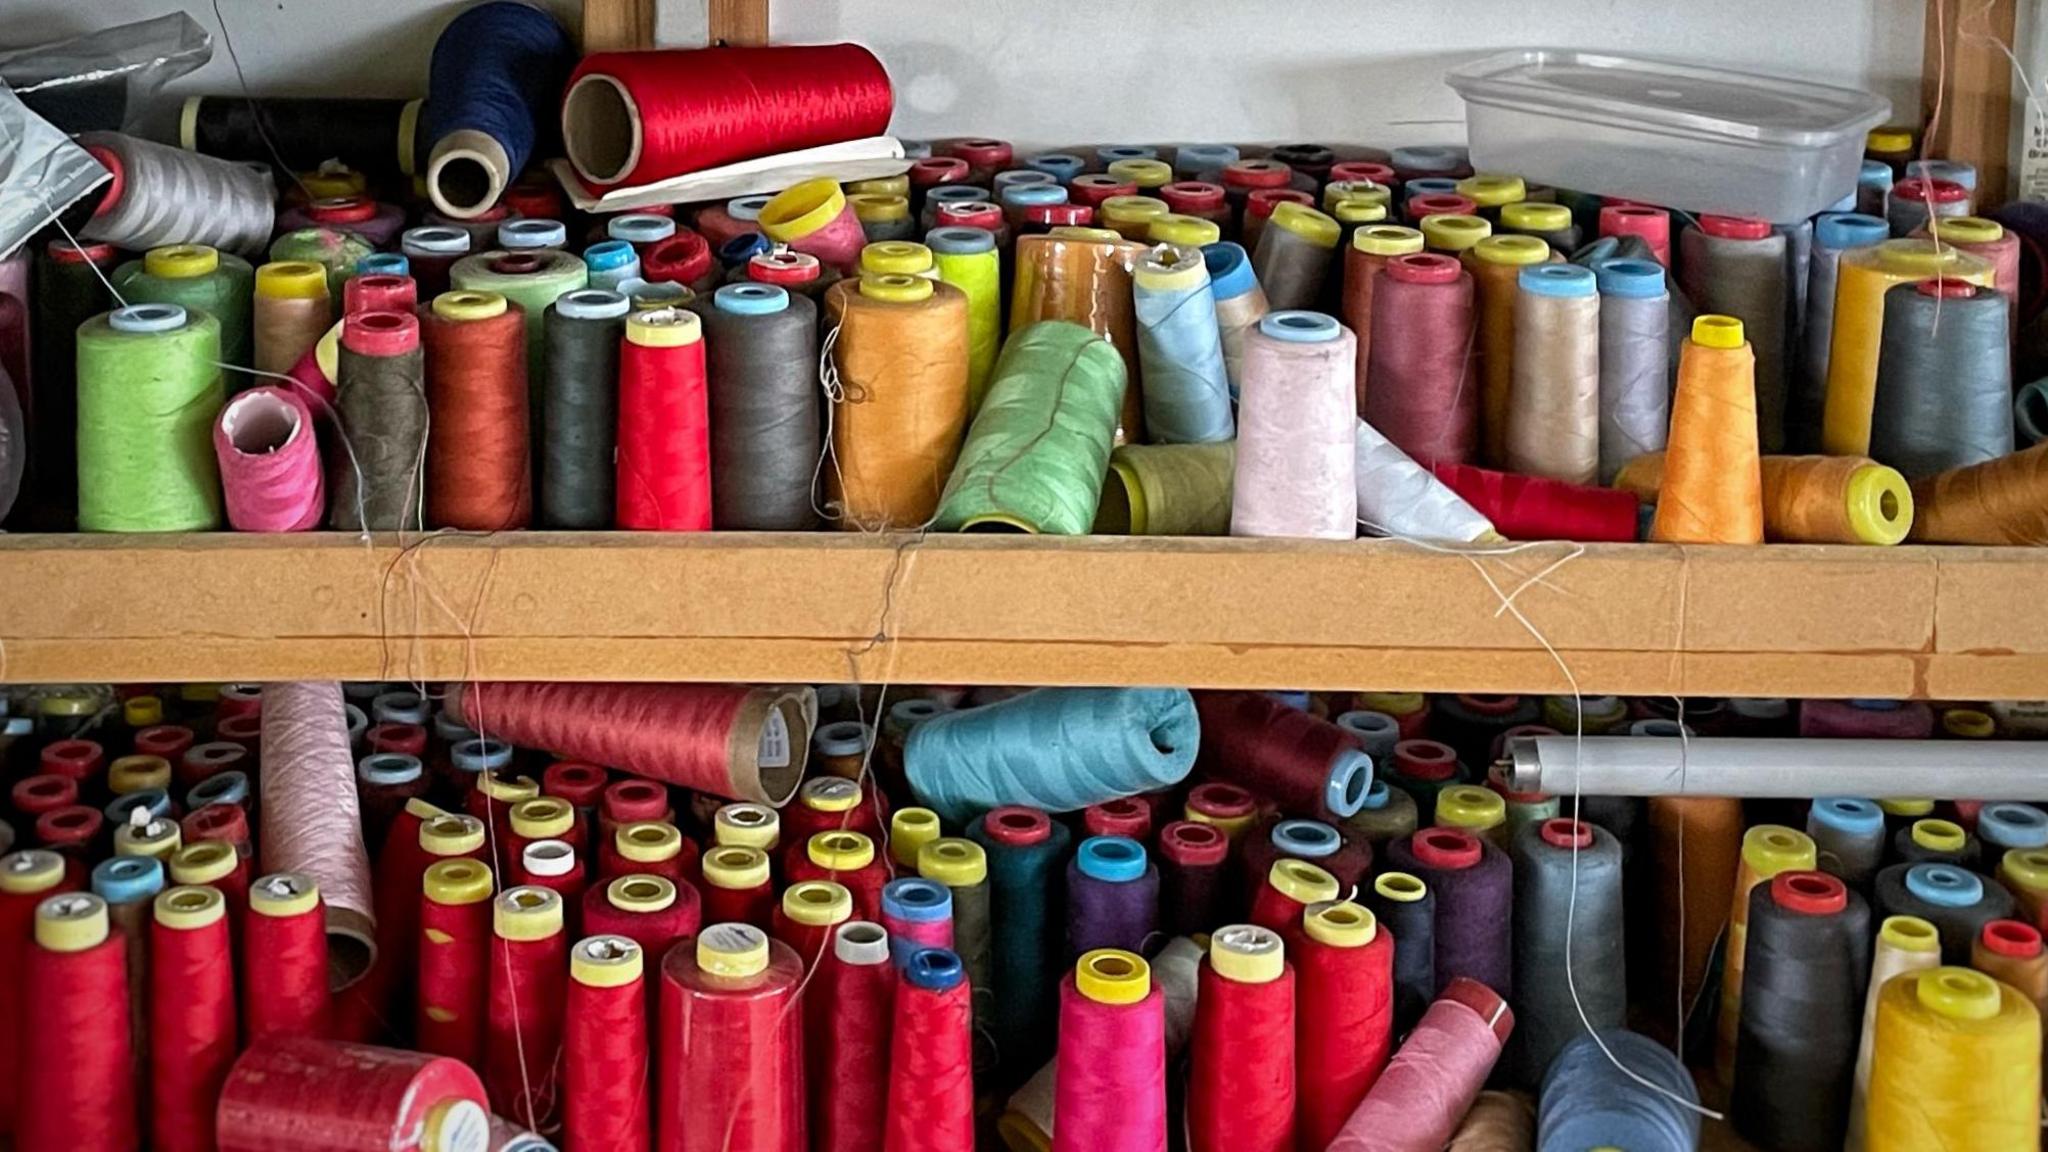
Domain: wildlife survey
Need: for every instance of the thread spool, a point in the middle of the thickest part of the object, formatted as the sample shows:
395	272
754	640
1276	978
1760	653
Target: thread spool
1550	223
1497	1122
478	473
730	1031
1957	902
1192	860
1916	202
885	479
493	69
1994	243
524	1004
1305	764
1495	264
1834	234
1956	1058
1168	490
1848	836
1712	490
1086	279
1431	1082
455	915
76	1075
1650	225
196	277
1294	477
1931	841
2007	827
1990	503
760	360
431	253
1292	255
1110	1090
1736	267
1904	944
1242	1074
1590	1100
917	914
1768	850
149	386
1423	397
1813	499
1471	881
1345	1014
1553	411
931	1089
1371	248
652	911
311	1095
961	865
377	485
1634	363
664	469
192	1016
160	195
1112	896
1025	849
1551	859
532	280
579	406
604	1066
1864	276
1944	387
1187	388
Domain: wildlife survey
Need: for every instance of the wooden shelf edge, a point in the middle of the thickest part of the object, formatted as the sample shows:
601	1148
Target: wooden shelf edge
1630	619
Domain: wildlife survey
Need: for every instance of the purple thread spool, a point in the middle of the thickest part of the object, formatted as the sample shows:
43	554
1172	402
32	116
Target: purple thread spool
1112	896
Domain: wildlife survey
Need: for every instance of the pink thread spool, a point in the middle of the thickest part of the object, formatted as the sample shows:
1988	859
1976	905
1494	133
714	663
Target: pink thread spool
815	216
1109	1089
270	462
1423	1094
1866	719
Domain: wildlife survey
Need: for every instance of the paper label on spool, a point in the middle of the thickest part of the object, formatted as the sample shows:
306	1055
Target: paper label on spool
775	741
2032	132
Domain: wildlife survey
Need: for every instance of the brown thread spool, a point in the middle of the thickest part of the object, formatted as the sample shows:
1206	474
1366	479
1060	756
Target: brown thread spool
1086	280
375	485
2002	501
1553	406
1811	499
1496	264
901	359
292	311
479	476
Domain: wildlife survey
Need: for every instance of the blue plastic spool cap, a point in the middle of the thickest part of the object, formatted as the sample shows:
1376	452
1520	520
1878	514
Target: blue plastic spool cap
640	228
1027	195
1061	166
1875	174
1230	270
518	235
389	768
384	264
1299	327
1953	171
1944	885
220	788
2012	825
954	194
155	801
128	879
916	900
1370	724
1875	705
1630	279
747	207
1564	281
1376	797
436	239
1111	153
1295	700
610	256
481	755
1430	186
917	149
751	299
1114	859
1019	177
147	318
1192	159
742	248
955	240
1842	230
1849	814
1309	839
582	304
1427	158
935	969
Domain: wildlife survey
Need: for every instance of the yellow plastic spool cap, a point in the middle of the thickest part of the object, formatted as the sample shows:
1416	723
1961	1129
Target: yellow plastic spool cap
30	871
1910	807
1769	849
1909	934
1363	191
1078	232
734	950
1352	210
284	894
1387	240
453	835
1956	993
1921	257
841	851
880	186
422	810
1400	887
136	773
327	352
664	328
1145	173
1303	882
542	818
68	704
746	825
1307	223
1940	835
205	862
1470	806
1511	249
649	841
606	962
1113	976
954	862
2025	868
910	829
1880	506
142	711
1340	924
72	922
895	288
879	207
180	261
1717	332
1966	230
899	257
736	868
1535	216
818	903
469	304
159	839
457	882
1969	723
1175	228
1489	190
1171	267
1131	209
834	794
1247	953
1888	140
190	906
507	790
527	912
1455	233
292	280
645	894
801	209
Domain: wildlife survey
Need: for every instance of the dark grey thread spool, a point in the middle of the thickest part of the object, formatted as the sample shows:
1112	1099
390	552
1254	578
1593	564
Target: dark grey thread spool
1848	834
382	398
1944	379
1635	362
1798	262
580	408
1290	267
1833	234
1404	903
2030	414
1546	1018
761	357
1742	274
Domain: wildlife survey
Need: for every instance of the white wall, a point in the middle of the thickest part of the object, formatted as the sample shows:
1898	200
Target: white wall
1059	71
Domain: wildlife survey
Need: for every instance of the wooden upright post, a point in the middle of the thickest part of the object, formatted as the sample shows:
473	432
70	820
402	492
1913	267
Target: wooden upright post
1972	79
739	21
623	25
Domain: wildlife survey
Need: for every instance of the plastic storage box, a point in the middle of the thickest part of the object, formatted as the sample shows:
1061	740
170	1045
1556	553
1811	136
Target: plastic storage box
1665	132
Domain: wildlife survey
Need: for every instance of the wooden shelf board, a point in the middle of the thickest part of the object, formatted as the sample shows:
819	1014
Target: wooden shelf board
1633	619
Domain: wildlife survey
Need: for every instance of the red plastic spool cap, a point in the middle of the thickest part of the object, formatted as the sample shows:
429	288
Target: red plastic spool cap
937	170
1194	845
784	268
1222	801
1944	289
1262	202
1258	174
76	824
517	264
76	759
1015	826
374	334
406	739
1122	817
579	784
984	153
1351	171
216	822
1441	204
166	740
2011	938
1938	191
1425	759
1425	268
1566	833
1452	849
111	194
1633	220
342	210
1809	893
1191	196
1487	705
244	729
1735	227
631	801
39	794
973	214
65	252
382	292
1483	1000
683	257
1060	215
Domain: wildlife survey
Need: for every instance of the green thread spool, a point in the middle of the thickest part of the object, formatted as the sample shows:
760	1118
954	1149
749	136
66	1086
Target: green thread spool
194	276
338	252
1038	449
149	388
532	280
1168	490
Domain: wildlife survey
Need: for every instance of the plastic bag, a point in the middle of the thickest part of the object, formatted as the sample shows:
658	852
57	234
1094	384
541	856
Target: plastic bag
106	80
41	172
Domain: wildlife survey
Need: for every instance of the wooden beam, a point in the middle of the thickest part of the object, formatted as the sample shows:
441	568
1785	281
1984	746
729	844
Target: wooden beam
1969	77
618	25
739	21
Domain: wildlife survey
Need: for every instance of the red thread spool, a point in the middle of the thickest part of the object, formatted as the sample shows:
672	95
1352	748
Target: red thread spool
1420	208
244	730
651	848
223	822
73	830
933	171
166	740
553	865
546	818
846	858
385	783
848	1041
730	1045
582	785
238	700
77	1075
664	455
454	948
1196	198
39	794
736	887
479	471
1303	763
192	1017
1539	508
1192	859
381	292
809	913
1226	806
984	157
1046	217
651	911
1424	396
217	865
829	804
523	1028
974	214
1092	189
1241	1075
27	878
640	117
604	1067
1287	890
202	762
1125	816
401	739
1258	208
632	802
785	268
684	258
537	197
1109	1090
1350	171
79	760
1254	174
295	1094
931	1062
1345	1015
1651	225
284	958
